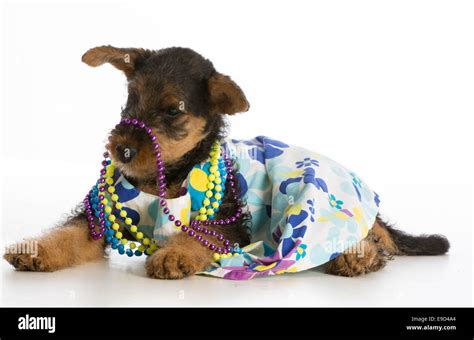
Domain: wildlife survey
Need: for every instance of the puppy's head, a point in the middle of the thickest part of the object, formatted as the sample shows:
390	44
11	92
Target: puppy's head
177	93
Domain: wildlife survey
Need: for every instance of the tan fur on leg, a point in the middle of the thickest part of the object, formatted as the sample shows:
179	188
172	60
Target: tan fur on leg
60	248
354	264
182	256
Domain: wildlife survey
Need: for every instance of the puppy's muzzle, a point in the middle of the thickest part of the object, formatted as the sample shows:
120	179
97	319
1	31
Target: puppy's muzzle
125	153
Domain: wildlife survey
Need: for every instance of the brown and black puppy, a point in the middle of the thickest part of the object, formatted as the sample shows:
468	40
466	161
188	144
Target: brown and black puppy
184	99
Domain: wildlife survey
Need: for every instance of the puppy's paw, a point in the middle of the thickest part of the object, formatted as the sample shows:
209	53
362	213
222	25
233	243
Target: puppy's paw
172	263
27	262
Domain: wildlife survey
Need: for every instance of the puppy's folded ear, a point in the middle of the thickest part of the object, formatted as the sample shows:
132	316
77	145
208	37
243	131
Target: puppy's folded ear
124	59
225	96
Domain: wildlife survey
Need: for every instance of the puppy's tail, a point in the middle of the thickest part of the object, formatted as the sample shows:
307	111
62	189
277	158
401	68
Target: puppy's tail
414	245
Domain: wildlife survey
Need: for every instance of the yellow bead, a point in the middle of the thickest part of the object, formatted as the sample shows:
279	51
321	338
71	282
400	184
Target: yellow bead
123	213
133	228
218	196
202	210
198	217
115	197
218	181
215	205
141	248
210	186
118	205
118	235
132	245
211	177
124	241
108	209
115	226
203	217
216	256
149	251
218	188
235	254
153	246
111	218
128	221
214	162
210	212
105	201
109	181
206	202
139	235
111	189
208	193
217	174
146	241
213	169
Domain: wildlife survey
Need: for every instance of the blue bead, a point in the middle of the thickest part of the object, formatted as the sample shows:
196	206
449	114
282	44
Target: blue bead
114	240
121	247
138	253
108	239
114	245
108	223
110	232
96	214
121	251
129	252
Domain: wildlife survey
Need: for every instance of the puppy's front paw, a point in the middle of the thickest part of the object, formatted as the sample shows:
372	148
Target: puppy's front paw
172	263
27	262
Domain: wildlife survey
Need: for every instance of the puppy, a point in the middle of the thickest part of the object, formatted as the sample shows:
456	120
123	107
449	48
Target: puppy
184	100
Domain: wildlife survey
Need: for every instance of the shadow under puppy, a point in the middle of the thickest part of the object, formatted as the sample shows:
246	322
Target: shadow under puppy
180	95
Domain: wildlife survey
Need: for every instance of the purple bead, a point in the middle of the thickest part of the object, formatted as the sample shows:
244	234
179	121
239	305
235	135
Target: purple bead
177	223
90	218
162	194
171	217
102	172
106	154
157	154
148	130
226	251
166	210
162	203
104	163
214	222
219	250
232	184
101	197
102	180
205	243
212	246
141	125
230	176
153	138
207	222
184	228
198	228
127	121
239	210
226	243
198	237
227	221
237	215
213	233
220	237
134	121
205	231
191	233
233	219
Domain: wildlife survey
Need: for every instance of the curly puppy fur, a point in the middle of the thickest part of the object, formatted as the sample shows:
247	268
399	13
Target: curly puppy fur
184	99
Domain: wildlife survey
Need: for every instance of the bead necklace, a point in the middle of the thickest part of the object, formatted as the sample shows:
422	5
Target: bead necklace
102	203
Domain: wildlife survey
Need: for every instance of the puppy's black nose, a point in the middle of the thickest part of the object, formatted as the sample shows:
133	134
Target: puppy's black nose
125	153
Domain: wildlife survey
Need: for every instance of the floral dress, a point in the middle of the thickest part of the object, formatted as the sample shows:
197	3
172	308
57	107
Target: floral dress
306	209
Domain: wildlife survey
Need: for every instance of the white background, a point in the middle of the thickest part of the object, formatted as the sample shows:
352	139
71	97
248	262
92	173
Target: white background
384	87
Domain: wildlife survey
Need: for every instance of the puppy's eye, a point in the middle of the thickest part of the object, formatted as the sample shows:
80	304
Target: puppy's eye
173	112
